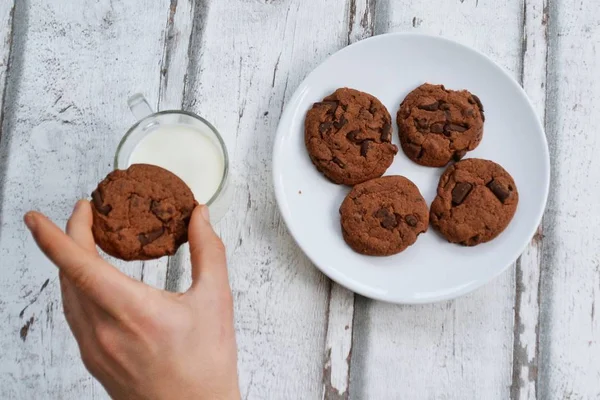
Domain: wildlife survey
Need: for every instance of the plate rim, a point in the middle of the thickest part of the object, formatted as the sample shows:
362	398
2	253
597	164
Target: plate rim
339	278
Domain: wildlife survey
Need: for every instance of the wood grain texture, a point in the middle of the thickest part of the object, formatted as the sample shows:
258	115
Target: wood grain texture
6	35
176	54
340	311
452	350
236	62
246	63
74	66
173	73
338	345
527	295
570	287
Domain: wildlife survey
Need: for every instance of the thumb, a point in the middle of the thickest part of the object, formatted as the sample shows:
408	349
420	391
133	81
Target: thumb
207	251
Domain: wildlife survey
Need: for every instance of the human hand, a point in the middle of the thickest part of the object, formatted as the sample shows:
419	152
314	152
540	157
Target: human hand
138	341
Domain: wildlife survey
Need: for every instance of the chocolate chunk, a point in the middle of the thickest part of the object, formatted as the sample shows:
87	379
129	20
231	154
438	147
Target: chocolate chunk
389	223
499	191
448	115
331	104
421	124
99	203
372	108
387	219
386	132
413	150
437	128
365	115
459	154
164	212
444	106
469	112
324	127
381	213
364	147
339	124
480	105
460	192
457	127
478	102
339	162
147	238
411	220
352	136
430	107
447	132
471	241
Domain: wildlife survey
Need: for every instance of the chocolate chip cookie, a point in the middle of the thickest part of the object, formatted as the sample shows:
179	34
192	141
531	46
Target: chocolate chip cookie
383	216
348	137
437	125
141	213
476	200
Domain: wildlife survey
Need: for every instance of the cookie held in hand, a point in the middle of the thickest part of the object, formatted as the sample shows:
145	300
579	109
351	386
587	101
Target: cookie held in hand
141	213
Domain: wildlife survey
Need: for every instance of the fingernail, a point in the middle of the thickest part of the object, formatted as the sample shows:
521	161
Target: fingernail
205	214
29	221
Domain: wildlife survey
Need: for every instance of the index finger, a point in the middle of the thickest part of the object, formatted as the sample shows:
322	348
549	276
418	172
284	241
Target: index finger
106	286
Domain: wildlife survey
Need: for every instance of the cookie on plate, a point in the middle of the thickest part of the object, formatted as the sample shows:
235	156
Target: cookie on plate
437	125
141	213
383	216
348	137
476	200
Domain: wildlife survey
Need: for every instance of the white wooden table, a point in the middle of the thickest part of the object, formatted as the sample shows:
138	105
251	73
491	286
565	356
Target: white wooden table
66	70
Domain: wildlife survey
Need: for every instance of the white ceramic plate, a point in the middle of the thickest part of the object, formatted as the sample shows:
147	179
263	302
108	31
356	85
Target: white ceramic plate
389	67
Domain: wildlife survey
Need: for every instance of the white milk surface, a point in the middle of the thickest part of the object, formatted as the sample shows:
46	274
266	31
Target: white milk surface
188	152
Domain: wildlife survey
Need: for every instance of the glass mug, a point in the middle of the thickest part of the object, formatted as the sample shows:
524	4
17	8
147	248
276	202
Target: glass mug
183	143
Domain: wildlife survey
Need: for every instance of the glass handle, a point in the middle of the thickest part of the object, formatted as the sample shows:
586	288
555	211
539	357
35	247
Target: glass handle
139	106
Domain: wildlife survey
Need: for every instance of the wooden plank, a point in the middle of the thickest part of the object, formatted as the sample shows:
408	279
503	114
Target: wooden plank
6	35
340	312
248	61
570	282
173	71
453	350
75	65
527	297
338	345
176	57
